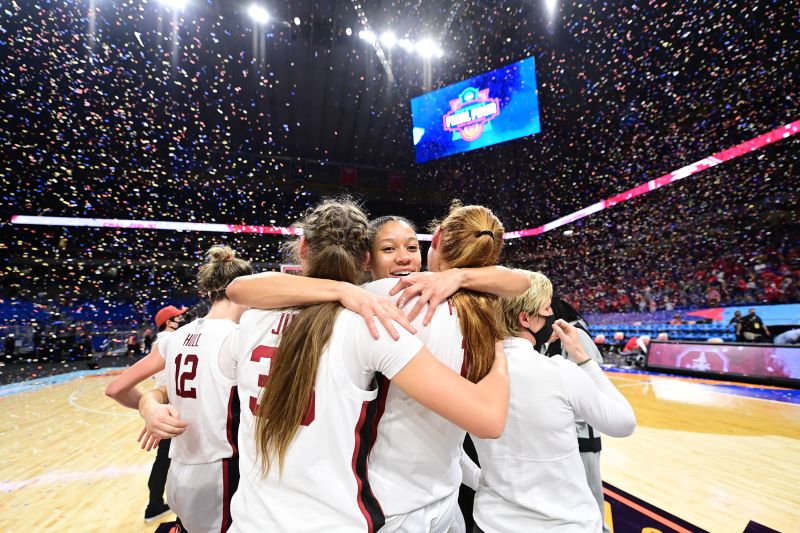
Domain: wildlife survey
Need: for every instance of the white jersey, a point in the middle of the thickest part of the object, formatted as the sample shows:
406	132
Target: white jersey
324	485
532	477
161	375
426	467
197	388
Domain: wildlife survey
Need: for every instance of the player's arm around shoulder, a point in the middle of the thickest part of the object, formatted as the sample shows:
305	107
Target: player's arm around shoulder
276	290
432	288
479	408
498	280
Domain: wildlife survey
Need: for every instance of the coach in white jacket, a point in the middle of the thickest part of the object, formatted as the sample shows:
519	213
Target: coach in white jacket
532	477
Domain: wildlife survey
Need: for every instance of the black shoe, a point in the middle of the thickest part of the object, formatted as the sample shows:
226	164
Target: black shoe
155	511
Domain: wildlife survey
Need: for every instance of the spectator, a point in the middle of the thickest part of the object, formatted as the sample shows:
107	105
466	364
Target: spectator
10	346
37	340
736	322
148	340
133	346
753	329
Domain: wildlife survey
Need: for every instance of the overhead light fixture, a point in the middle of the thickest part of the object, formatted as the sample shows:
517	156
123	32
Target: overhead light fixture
173	4
426	48
348	32
297	21
406	45
388	39
367	35
258	13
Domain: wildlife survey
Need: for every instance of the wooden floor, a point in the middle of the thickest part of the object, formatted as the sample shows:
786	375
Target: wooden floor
69	459
712	458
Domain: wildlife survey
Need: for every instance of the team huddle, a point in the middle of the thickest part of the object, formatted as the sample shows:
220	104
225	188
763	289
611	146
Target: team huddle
315	403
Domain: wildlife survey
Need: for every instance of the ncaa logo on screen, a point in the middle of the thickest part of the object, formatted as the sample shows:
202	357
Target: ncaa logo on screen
471	114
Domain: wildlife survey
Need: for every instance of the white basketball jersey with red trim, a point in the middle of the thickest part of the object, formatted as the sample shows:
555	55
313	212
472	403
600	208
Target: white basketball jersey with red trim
416	457
324	485
161	376
199	391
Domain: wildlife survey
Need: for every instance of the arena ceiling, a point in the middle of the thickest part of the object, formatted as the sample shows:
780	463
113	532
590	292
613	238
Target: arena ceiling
334	96
627	90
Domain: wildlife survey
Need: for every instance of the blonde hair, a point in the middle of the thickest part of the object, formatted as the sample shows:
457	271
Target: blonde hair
472	236
530	301
336	238
220	269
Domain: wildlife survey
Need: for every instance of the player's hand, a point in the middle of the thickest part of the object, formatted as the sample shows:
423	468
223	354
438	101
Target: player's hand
163	421
570	340
370	306
147	440
431	288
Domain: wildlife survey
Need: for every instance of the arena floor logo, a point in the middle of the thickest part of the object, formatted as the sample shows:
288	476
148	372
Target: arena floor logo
471	114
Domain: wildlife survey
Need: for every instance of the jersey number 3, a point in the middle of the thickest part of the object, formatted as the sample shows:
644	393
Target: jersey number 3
268	352
187	373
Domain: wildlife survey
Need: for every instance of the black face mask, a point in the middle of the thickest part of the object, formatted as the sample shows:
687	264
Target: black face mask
544	334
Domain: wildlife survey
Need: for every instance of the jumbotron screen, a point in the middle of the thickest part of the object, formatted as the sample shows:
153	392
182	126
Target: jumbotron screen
761	361
490	108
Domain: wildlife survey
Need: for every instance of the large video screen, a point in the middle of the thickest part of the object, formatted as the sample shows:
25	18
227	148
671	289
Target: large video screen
761	361
488	109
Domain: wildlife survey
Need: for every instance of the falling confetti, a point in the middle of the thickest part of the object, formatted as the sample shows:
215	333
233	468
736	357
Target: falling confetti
132	111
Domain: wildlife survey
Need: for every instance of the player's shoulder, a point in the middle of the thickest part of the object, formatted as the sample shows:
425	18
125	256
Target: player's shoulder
445	316
381	287
222	324
350	321
253	317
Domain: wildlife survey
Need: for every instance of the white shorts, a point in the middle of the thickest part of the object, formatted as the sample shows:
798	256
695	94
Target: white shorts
443	516
201	494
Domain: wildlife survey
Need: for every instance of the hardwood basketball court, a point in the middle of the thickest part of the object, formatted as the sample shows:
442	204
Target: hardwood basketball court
707	453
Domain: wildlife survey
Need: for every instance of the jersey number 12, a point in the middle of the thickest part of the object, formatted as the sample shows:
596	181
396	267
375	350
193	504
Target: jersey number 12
190	372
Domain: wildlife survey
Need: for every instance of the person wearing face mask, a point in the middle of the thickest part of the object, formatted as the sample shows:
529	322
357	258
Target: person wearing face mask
546	321
532	477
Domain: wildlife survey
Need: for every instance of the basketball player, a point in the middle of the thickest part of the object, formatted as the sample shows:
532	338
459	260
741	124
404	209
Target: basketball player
168	319
394	253
417	483
532	477
304	467
203	472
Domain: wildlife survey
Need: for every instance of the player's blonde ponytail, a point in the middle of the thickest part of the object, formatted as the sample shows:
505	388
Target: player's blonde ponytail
220	269
472	236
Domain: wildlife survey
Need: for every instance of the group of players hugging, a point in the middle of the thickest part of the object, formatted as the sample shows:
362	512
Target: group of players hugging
317	403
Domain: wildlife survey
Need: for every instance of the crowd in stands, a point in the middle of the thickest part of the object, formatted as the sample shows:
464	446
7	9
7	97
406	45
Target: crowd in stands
109	138
726	237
